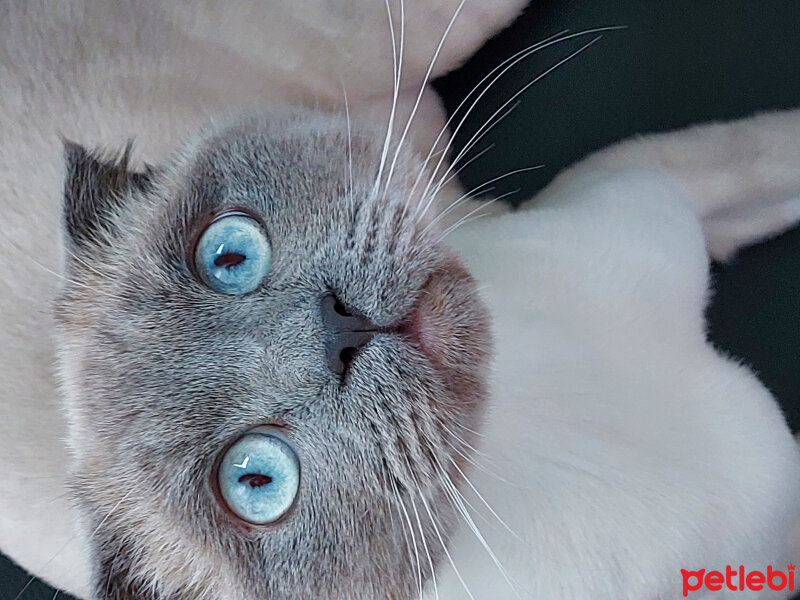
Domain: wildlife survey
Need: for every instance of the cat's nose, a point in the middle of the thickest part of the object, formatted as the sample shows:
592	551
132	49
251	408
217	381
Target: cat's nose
346	331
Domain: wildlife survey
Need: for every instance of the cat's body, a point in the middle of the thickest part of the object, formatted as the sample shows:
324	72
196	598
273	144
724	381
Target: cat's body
618	446
637	448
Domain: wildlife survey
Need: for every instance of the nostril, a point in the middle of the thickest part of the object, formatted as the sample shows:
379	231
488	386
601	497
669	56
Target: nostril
347	355
346	331
340	308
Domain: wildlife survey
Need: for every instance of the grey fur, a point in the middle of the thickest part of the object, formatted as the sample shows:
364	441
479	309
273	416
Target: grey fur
160	373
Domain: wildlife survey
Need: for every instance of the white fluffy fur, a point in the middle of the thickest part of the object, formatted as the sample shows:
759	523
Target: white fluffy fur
620	446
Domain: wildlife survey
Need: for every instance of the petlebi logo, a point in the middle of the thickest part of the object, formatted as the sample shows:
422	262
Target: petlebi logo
738	579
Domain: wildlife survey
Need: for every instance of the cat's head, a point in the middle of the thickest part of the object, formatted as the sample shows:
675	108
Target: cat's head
273	368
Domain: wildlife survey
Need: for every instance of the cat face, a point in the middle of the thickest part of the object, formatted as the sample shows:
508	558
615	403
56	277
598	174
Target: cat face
272	367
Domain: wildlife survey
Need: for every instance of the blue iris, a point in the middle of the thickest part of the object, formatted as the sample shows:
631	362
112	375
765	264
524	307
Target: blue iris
259	477
233	254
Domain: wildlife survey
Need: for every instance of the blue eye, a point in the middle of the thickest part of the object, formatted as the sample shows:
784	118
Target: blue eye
233	254
259	477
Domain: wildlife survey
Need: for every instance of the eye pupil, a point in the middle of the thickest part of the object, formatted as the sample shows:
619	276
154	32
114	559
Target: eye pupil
231	259
255	480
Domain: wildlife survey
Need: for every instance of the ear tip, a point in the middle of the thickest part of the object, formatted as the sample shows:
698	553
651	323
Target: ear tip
73	151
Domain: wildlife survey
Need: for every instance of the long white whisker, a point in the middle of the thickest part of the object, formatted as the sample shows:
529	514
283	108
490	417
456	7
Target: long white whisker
465	164
59	275
444	546
464	151
349	145
468	219
483	500
86	265
475	463
454	494
518	93
455	204
466	444
401	504
475	213
425	545
469	430
425	80
398	74
477	189
449	173
519	57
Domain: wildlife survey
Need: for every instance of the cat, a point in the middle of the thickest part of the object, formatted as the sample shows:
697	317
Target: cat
619	447
564	341
101	72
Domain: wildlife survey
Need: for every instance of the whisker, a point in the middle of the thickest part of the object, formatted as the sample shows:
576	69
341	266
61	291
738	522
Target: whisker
467	163
470	430
87	266
477	190
506	66
444	546
401	504
518	56
349	144
455	497
476	464
470	447
398	72
466	220
425	545
425	80
475	213
449	172
69	541
46	269
483	500
518	93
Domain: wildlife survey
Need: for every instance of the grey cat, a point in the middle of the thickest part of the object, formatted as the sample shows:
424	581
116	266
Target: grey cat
276	371
163	372
102	72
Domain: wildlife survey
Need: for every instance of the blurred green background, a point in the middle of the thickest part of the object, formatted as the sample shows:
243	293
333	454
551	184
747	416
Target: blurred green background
676	63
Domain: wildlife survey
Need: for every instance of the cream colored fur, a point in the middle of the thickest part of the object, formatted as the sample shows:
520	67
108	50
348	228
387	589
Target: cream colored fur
621	447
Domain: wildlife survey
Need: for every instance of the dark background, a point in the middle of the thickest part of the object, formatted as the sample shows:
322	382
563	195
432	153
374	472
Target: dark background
676	63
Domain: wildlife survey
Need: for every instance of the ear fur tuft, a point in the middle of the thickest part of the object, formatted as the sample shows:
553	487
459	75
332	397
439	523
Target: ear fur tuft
94	186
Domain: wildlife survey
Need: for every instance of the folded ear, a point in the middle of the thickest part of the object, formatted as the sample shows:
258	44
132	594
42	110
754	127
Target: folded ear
94	188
